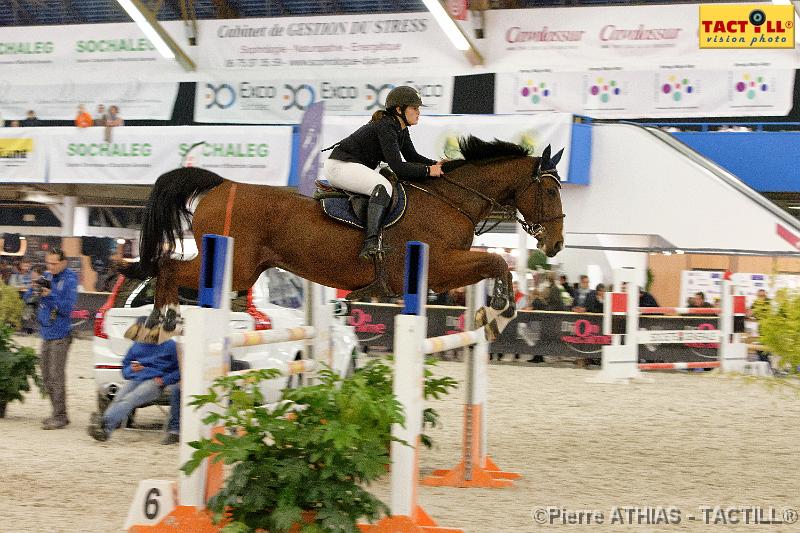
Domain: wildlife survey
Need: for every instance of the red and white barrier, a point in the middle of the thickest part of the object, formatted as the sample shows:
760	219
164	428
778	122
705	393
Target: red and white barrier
620	361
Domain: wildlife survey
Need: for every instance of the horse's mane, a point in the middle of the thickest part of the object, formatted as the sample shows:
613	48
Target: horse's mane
475	149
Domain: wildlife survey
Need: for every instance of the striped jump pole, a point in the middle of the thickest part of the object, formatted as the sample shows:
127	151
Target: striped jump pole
476	468
206	342
410	328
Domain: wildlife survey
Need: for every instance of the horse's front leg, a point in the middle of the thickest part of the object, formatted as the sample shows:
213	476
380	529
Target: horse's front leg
503	295
462	268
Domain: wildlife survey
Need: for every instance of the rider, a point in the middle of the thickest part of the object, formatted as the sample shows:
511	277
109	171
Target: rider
385	138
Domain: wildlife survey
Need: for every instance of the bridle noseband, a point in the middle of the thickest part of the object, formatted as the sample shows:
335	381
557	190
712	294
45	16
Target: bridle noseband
534	229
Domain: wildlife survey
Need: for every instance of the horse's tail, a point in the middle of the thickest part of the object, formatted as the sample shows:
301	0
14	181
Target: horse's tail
167	213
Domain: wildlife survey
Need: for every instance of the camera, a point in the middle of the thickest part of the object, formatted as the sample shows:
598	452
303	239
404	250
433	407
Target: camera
43	283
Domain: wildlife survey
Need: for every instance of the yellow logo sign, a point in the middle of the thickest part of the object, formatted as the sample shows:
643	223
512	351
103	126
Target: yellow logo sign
746	26
15	148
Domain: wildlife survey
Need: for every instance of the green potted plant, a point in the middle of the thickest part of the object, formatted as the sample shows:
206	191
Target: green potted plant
380	376
779	329
300	464
18	364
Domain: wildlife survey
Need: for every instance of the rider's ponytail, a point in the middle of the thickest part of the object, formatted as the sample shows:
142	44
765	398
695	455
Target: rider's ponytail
379	114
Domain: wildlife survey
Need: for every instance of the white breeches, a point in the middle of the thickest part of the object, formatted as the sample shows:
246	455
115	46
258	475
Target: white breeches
354	177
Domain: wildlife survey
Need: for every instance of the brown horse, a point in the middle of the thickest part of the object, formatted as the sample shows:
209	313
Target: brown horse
277	227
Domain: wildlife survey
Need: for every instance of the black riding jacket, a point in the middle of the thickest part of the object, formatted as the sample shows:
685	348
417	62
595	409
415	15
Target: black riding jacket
384	140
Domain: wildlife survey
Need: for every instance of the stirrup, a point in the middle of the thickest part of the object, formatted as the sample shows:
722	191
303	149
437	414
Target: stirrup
370	250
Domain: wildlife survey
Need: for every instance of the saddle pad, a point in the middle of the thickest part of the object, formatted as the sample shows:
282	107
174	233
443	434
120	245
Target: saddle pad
341	210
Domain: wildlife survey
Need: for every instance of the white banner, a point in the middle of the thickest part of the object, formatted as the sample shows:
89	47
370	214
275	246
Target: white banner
138	100
437	137
86	53
665	92
139	155
284	101
640	37
408	41
22	155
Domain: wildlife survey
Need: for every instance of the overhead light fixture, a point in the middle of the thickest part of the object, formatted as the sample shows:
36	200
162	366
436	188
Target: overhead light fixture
451	29
40	198
120	241
793	207
146	20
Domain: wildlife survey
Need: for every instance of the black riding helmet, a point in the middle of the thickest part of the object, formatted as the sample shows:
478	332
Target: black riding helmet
403	96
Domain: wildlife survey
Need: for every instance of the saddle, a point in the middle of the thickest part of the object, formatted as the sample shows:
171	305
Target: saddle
351	208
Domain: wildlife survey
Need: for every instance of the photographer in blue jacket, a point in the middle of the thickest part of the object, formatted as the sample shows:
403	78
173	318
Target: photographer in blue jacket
58	291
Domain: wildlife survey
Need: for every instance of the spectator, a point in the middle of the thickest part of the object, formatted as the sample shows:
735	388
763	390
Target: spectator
148	369
567	287
100	116
699	300
83	119
14	124
581	295
30	121
21	279
173	435
760	306
58	294
113	120
646	299
594	303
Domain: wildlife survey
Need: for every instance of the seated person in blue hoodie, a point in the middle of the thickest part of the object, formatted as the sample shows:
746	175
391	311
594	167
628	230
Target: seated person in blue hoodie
149	368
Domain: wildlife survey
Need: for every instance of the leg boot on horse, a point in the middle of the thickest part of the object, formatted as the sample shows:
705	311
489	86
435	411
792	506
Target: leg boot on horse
379	202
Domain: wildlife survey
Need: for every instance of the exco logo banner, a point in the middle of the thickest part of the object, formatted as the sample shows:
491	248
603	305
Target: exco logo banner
300	97
746	26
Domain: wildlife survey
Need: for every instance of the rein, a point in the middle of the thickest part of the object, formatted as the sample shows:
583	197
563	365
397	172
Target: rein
535	229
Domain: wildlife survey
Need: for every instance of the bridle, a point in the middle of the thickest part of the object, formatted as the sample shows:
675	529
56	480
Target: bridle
534	229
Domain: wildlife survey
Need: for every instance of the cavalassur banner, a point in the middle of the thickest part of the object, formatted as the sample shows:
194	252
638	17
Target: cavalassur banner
140	100
283	101
665	91
261	155
22	155
636	37
437	137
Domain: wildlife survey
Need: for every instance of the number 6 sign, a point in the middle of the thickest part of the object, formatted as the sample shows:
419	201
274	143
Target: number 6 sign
154	499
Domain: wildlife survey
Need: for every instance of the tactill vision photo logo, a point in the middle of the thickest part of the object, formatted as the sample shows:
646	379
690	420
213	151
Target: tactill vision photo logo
222	96
746	26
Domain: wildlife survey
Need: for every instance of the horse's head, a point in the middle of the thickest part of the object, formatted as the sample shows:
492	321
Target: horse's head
505	175
539	201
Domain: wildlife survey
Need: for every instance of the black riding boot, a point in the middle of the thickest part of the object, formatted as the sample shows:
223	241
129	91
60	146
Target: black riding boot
378	205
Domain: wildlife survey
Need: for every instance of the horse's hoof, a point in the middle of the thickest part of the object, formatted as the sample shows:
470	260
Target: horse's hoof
132	333
164	335
152	336
152	321
492	331
510	312
170	320
480	318
499	303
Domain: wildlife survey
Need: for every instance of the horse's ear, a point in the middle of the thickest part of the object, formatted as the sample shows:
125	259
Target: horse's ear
556	158
545	159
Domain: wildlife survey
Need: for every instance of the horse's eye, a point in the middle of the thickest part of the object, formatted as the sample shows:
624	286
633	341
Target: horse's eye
552	193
